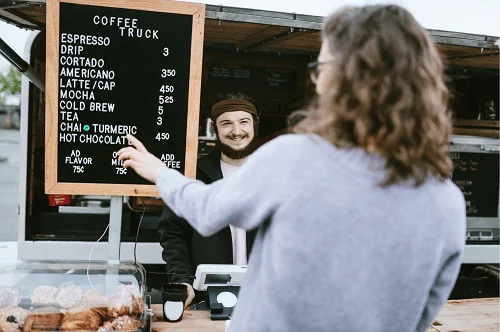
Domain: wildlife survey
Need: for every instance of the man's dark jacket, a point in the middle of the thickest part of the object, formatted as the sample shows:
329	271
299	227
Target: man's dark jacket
184	248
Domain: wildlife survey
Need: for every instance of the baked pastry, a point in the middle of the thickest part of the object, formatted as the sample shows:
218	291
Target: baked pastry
9	297
8	324
12	319
69	296
44	296
122	323
43	319
126	300
82	319
103	312
94	299
106	327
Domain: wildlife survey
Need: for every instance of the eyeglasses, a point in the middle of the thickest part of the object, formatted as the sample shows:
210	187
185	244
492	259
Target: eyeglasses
315	68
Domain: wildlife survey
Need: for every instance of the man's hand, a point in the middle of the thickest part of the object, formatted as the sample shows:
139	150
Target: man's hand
140	160
190	295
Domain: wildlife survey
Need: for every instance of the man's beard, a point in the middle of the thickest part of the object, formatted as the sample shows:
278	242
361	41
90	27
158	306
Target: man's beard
237	154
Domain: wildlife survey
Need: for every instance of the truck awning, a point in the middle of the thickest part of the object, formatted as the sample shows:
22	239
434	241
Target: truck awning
250	30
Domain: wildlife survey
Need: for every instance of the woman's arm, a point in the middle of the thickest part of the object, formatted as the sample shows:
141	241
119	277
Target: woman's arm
246	199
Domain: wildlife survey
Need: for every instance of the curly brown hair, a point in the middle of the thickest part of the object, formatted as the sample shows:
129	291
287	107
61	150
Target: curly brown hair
387	90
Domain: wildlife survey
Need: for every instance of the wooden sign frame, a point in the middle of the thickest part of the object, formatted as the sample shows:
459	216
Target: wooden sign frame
52	186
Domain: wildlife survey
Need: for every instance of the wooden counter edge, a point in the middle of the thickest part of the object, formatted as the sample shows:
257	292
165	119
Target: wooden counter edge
199	320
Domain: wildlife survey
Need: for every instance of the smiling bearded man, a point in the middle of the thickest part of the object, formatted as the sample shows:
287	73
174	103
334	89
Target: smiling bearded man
236	126
235	122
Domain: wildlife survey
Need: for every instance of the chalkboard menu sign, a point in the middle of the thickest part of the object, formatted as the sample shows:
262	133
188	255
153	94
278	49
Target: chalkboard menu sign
114	68
247	77
477	175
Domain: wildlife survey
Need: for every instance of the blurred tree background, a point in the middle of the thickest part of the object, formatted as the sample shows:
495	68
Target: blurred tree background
10	84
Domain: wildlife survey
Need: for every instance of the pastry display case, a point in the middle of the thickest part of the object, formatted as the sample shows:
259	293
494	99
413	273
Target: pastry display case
73	296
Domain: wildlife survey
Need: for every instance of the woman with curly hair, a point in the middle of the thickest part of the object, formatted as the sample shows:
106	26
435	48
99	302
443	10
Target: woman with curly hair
360	228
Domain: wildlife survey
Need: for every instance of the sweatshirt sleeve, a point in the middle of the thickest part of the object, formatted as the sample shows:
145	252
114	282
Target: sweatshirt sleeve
440	291
445	280
245	200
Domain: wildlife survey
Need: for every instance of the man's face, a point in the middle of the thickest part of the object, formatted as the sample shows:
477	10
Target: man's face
235	130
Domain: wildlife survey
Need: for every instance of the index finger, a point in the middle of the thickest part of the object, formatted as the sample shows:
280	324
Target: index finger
136	143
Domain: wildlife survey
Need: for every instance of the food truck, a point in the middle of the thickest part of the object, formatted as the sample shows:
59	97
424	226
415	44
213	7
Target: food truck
263	53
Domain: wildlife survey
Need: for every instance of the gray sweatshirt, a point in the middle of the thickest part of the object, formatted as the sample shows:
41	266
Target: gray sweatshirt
335	251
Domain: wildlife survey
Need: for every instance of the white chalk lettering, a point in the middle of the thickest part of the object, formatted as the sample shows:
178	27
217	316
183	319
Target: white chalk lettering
102	107
71	105
88	73
169	160
74	127
173	164
114	129
116	162
139	33
166	156
102	139
67	138
69	38
81	61
115	21
76	94
74	83
104	85
70	49
78	160
69	116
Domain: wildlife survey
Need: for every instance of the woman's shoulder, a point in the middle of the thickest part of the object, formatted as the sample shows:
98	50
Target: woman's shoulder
284	149
448	201
294	141
449	192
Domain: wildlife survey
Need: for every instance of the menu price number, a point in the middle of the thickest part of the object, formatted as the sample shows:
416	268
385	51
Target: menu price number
121	171
162	136
167	88
167	73
162	100
78	169
159	120
166	99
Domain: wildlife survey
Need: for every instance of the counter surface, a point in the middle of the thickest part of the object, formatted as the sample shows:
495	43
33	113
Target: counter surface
475	315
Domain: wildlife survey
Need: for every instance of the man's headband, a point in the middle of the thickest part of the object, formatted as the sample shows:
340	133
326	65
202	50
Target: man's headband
233	105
